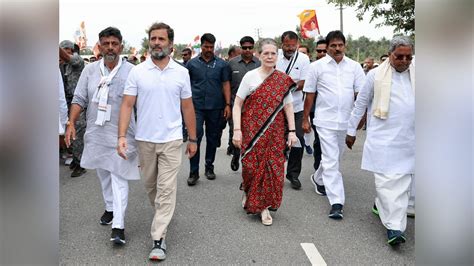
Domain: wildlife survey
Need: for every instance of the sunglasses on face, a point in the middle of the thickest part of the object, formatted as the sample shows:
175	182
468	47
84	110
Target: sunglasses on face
401	57
246	47
321	51
184	54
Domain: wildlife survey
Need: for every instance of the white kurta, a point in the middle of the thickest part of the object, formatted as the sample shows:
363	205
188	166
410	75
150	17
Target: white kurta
100	142
390	144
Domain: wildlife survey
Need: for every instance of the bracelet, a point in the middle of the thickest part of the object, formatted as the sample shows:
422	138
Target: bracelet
292	130
121	137
192	140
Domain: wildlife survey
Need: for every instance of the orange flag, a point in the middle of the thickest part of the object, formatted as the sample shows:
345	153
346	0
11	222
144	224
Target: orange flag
309	24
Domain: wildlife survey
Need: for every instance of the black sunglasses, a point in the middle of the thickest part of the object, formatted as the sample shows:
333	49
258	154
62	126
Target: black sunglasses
247	47
321	51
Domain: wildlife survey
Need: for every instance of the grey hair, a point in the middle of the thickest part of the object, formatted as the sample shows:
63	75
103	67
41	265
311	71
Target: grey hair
400	41
266	41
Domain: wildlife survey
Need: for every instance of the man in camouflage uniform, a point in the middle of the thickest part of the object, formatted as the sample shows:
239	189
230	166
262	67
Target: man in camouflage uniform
71	65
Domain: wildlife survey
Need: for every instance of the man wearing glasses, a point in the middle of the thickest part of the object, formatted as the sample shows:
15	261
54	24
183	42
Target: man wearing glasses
321	49
186	55
389	149
239	66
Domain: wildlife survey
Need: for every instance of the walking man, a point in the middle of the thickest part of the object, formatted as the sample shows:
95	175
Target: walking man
100	89
336	79
211	98
389	149
161	90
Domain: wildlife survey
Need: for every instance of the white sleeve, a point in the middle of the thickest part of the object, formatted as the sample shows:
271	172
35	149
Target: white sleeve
62	105
359	78
186	91
363	98
311	79
304	68
131	86
244	87
288	99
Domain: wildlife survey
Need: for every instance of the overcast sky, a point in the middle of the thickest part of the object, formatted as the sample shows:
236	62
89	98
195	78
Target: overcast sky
227	20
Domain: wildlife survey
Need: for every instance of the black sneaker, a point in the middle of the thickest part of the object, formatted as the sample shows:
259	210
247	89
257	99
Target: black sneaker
78	171
295	183
193	178
395	237
159	250
210	174
320	190
234	163
106	218
118	236
230	150
336	212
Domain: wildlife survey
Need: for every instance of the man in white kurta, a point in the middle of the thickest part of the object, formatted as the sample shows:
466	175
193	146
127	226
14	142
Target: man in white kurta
389	149
336	79
100	140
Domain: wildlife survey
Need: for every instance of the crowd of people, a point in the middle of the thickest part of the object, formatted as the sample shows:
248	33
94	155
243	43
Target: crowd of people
130	122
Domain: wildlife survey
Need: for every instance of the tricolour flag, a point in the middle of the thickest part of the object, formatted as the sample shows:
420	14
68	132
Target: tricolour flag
309	24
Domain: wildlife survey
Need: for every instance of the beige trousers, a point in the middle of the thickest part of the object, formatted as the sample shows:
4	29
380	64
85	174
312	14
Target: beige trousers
159	166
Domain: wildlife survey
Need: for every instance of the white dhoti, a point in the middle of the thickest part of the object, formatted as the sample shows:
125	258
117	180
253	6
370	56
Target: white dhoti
392	199
328	174
115	192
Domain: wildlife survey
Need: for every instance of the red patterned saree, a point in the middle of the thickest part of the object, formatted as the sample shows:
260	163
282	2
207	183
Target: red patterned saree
263	143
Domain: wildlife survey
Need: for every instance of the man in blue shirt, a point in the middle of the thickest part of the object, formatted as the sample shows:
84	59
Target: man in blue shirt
210	87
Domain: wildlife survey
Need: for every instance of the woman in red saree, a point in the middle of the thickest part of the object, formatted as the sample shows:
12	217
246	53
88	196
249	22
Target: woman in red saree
259	130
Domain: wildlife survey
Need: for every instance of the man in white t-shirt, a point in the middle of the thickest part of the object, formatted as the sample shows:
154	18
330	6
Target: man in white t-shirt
336	79
295	65
161	88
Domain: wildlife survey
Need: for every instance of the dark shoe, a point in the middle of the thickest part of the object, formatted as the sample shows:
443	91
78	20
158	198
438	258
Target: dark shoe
118	236
210	174
106	218
230	150
336	212
395	237
375	210
309	150
72	165
295	183
159	250
320	190
78	171
193	178
234	163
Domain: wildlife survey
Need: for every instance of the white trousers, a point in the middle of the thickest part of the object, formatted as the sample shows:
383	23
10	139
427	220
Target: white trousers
328	174
392	199
411	200
307	139
115	192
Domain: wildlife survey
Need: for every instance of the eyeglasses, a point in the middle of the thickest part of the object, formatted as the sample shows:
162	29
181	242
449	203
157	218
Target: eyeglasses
247	47
401	57
321	51
184	54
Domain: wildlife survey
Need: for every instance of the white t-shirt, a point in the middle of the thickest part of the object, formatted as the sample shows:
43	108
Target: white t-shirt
298	72
159	93
250	83
336	85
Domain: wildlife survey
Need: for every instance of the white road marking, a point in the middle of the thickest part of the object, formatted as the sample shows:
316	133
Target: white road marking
313	254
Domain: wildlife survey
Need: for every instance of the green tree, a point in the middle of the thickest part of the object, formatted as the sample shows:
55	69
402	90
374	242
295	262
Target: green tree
398	13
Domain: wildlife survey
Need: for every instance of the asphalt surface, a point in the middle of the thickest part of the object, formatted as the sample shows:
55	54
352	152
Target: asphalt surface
210	227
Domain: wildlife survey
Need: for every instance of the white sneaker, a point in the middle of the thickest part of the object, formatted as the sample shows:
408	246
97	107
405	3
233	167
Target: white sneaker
68	161
266	217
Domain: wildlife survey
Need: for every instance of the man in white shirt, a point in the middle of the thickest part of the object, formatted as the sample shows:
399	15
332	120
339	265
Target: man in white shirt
389	149
162	90
98	92
295	65
336	79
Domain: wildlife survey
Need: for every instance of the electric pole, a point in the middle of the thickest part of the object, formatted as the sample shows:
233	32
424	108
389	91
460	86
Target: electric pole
340	16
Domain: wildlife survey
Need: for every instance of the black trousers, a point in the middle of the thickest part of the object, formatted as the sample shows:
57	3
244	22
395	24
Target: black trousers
293	169
316	144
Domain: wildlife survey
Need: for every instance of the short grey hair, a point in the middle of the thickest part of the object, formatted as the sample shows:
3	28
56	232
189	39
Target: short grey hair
266	41
400	41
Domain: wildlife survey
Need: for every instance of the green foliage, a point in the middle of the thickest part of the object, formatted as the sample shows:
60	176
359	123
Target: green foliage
363	47
398	13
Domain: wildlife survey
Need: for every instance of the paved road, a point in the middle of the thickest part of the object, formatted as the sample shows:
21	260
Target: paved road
210	227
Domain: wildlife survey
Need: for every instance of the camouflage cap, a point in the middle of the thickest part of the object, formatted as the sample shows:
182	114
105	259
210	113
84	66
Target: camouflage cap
66	44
